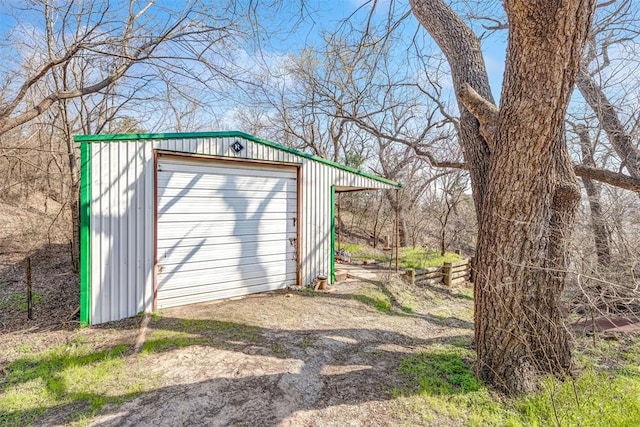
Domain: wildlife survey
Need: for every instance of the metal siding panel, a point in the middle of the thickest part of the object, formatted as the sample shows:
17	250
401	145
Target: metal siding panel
140	236
149	241
112	250
310	222
118	304
307	178
326	221
318	210
132	179
96	231
313	236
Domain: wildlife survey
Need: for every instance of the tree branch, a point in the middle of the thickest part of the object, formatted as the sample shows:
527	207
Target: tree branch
608	177
485	111
615	179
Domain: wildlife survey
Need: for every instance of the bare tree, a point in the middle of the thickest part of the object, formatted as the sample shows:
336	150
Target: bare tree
443	207
523	182
613	29
601	234
106	43
89	67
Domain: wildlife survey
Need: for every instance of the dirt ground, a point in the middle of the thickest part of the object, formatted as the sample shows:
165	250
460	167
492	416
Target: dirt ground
312	360
290	358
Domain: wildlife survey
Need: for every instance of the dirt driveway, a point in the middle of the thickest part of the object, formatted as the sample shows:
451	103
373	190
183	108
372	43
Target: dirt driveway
298	358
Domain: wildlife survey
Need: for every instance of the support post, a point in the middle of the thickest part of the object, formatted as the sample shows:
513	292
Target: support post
332	265
411	275
337	226
446	271
397	229
27	271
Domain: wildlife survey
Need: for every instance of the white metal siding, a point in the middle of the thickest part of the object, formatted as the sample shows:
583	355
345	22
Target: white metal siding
122	211
122	252
224	230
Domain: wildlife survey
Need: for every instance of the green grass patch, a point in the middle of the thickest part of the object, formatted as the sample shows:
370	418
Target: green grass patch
68	375
409	257
420	257
360	253
593	399
352	248
161	341
438	373
187	332
374	299
18	301
441	389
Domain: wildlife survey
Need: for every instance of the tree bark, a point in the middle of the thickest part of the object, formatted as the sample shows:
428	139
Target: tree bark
528	193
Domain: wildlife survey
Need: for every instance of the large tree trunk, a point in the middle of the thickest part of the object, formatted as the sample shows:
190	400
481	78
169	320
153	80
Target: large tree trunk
528	194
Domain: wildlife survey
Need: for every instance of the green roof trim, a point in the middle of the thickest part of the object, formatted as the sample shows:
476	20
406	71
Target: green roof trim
229	134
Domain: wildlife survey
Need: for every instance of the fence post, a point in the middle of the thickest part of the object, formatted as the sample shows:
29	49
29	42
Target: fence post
446	271
411	274
27	271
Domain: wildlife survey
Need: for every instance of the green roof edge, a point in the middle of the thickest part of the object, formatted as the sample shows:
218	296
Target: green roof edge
229	134
85	234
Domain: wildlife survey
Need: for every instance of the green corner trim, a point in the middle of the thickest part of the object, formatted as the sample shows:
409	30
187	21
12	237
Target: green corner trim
229	134
333	234
85	233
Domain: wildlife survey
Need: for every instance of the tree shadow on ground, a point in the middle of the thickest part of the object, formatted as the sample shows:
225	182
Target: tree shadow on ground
246	375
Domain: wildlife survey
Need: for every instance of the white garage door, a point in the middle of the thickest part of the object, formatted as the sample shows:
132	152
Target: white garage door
224	229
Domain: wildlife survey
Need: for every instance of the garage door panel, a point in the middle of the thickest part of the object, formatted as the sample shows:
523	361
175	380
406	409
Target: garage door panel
198	173
178	255
281	280
177	230
210	185
224	230
174	220
240	206
210	264
204	196
250	287
226	276
249	239
206	166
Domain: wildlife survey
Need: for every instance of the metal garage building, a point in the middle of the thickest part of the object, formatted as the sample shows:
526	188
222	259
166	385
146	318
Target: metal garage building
173	219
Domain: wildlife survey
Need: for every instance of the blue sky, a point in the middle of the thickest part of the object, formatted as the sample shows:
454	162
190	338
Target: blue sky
296	29
328	15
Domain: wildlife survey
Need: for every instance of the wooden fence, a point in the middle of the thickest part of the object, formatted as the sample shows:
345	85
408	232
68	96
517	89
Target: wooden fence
449	274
